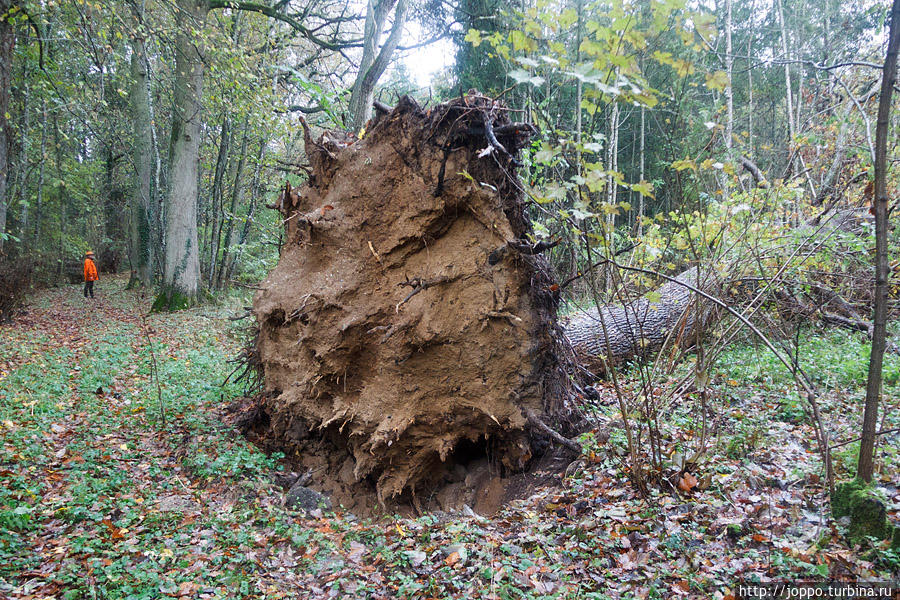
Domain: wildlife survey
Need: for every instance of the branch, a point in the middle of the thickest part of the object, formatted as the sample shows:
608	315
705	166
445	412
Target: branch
307	110
381	107
384	55
273	12
557	437
37	33
758	177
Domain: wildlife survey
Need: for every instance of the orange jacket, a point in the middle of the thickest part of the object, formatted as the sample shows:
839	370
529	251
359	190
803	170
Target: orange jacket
90	270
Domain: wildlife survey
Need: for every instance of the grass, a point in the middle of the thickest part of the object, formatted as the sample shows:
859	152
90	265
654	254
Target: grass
85	471
101	500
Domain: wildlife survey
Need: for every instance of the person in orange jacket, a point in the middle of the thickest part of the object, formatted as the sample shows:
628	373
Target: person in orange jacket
90	273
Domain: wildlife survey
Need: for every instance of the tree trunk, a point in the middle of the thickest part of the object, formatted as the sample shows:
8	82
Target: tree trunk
215	198
640	224
228	238
248	220
23	162
39	199
789	96
750	87
612	188
729	69
579	90
181	269
866	465
7	44
372	66
637	328
141	235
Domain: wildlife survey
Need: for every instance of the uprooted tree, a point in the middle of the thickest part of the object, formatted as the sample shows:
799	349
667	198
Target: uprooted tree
411	321
409	318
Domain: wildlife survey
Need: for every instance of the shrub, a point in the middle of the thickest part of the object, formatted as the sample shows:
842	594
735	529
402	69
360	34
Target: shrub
15	280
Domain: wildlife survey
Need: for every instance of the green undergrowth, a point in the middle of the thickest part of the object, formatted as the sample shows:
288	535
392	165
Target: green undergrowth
87	458
105	498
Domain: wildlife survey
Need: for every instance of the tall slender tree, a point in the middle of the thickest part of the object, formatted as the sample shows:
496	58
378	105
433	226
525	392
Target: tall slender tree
374	59
7	44
141	236
866	465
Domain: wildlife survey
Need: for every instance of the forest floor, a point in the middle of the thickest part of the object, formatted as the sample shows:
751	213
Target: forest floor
100	499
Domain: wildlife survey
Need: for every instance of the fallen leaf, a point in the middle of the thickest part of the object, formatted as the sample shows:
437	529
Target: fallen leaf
687	482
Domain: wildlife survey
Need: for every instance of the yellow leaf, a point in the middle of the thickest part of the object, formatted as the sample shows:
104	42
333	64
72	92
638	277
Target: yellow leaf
681	165
717	80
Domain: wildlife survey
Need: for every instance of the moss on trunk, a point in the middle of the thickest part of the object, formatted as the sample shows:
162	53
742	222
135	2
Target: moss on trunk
171	300
868	515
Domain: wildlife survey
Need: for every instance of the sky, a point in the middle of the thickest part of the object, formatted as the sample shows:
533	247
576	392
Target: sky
423	63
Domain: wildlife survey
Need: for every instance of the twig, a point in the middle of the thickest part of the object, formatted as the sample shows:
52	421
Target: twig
418	285
246	285
154	370
580	274
856	439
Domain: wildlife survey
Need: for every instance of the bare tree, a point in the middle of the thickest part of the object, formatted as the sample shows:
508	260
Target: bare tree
789	96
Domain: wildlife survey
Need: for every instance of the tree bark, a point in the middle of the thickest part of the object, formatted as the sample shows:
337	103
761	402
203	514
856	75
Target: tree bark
372	66
729	69
228	238
39	199
789	96
23	162
181	269
640	223
637	328
866	464
215	199
141	246
255	192
7	44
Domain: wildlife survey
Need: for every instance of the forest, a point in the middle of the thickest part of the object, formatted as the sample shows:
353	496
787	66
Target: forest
449	299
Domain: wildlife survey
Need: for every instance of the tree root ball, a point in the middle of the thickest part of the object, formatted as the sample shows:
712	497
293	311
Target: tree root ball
403	320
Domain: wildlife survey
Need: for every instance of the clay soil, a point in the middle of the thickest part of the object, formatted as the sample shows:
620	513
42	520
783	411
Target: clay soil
409	329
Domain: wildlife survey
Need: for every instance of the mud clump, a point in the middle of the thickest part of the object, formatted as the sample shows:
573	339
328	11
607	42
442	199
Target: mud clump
410	323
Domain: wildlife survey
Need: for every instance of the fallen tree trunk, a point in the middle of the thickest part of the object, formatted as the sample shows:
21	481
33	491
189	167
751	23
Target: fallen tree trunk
403	326
641	327
637	328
